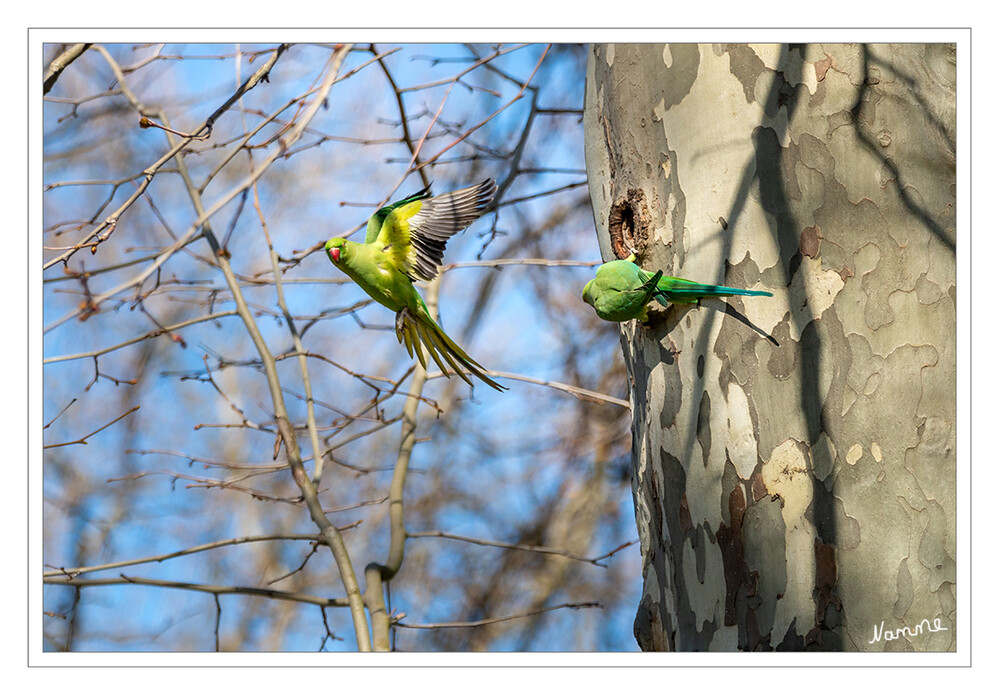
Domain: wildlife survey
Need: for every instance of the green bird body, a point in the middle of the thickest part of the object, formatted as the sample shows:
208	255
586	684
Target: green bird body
405	242
621	291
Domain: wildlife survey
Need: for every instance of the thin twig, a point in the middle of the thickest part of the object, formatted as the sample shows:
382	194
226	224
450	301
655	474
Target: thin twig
83	439
312	551
60	414
77	571
498	111
617	550
579	392
150	172
138	339
496	262
205	588
515	546
490	621
218	619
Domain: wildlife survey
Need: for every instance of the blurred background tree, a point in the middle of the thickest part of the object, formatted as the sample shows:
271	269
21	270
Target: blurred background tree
200	351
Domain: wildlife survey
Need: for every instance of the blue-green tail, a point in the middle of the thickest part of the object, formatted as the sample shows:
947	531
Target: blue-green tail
680	291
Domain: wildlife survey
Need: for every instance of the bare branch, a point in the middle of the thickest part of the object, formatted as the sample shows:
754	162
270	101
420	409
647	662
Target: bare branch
579	392
60	63
490	621
68	405
138	339
497	262
516	546
204	588
491	116
205	127
83	439
77	571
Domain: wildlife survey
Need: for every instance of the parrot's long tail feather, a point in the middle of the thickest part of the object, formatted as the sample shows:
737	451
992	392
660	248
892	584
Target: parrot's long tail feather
681	291
437	349
414	330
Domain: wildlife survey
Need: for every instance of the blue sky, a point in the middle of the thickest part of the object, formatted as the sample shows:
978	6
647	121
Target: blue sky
511	443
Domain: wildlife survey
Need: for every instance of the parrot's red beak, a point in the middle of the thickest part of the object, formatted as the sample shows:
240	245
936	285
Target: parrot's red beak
335	255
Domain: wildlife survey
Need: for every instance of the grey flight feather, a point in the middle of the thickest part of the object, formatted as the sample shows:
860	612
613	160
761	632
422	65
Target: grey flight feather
441	217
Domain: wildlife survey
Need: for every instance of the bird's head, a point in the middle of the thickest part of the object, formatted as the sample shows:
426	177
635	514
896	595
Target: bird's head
335	249
587	297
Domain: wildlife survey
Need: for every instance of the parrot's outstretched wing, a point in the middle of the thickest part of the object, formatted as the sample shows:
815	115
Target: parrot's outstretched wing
376	221
412	329
415	231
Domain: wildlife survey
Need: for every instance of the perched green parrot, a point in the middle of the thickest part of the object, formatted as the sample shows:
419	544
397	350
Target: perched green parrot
405	242
621	290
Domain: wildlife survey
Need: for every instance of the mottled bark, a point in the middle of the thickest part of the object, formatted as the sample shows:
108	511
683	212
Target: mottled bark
794	456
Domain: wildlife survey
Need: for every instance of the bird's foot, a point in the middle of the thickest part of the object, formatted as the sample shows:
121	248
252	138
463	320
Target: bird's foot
400	322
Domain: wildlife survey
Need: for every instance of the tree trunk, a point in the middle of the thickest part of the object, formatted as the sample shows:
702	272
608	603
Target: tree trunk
794	456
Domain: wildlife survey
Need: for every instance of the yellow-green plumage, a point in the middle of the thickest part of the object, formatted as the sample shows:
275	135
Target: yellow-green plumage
621	291
405	242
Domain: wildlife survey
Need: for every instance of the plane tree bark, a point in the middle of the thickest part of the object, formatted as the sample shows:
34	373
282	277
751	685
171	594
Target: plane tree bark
794	456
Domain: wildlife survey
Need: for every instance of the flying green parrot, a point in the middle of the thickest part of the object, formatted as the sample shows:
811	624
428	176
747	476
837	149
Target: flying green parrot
405	242
621	290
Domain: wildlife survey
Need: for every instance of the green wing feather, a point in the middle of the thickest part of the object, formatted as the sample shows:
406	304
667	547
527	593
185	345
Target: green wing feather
376	221
651	286
404	242
415	230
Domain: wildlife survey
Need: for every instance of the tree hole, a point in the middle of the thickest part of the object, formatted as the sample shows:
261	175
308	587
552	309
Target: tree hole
628	225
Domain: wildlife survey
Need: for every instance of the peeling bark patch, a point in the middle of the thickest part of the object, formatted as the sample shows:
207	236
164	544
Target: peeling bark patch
831	521
786	476
754	641
704	426
740	443
792	642
826	620
738	578
649	628
926	291
660	615
822	66
628	224
783	359
765	553
653	627
823	457
810	241
903	585
746	66
680	73
759	488
686	525
672	396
